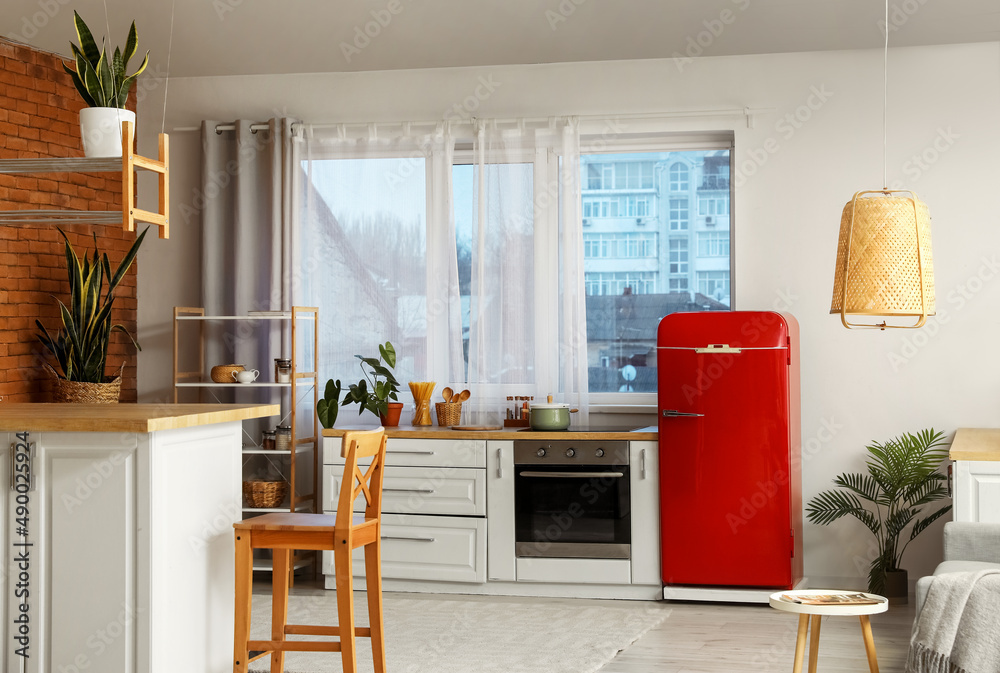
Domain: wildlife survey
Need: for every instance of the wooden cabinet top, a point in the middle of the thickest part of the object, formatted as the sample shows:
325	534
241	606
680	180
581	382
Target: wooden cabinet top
975	444
124	417
437	432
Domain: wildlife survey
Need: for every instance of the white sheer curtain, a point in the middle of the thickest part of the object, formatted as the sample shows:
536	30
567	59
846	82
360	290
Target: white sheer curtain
527	323
378	241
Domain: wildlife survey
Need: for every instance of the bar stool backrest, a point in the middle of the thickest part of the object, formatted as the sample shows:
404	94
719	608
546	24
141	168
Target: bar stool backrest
358	444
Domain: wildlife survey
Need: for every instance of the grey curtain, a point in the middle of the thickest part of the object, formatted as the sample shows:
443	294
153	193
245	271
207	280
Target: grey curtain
249	186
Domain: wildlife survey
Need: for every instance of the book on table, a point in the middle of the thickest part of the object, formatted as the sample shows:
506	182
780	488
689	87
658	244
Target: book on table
832	599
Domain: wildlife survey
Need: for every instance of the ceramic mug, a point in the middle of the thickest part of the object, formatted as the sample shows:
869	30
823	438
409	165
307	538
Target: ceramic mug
246	376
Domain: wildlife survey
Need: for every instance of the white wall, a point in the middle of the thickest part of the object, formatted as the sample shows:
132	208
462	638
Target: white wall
856	385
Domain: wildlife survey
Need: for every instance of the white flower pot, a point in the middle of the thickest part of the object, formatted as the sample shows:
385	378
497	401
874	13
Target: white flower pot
101	130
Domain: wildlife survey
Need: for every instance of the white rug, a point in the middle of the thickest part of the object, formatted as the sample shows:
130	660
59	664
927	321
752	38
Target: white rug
493	635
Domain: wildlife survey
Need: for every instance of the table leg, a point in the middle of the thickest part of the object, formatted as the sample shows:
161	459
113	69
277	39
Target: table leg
866	633
814	643
800	643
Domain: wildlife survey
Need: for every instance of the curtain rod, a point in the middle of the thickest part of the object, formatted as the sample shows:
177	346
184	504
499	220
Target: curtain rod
747	112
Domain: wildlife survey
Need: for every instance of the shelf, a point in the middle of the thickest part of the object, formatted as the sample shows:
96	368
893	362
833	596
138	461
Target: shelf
302	448
244	317
126	165
212	384
266	565
304	505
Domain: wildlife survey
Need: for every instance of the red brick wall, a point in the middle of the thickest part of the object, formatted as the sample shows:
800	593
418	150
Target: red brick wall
39	109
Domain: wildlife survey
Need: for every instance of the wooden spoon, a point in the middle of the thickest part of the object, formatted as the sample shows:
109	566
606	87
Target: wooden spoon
447	393
464	395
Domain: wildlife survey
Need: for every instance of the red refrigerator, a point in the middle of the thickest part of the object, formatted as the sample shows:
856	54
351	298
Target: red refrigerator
730	482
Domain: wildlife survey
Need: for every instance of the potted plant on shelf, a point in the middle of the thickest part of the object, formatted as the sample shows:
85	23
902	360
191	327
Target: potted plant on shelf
81	345
384	387
104	85
902	478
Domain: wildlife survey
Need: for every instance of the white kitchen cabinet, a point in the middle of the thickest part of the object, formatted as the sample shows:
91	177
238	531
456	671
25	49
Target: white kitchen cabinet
644	482
977	490
500	510
434	509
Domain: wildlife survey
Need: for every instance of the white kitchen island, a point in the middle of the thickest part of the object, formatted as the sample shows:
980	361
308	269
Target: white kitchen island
117	535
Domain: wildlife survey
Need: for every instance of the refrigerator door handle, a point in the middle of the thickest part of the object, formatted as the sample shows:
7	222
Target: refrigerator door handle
673	413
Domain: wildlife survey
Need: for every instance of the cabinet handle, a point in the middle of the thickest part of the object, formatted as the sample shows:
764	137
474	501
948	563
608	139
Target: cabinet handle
408	537
499	464
415	453
572	475
949	479
408	490
642	463
673	413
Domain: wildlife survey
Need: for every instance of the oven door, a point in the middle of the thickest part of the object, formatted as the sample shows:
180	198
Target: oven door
572	511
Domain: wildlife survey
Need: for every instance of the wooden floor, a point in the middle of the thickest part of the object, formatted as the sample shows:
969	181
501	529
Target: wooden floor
716	637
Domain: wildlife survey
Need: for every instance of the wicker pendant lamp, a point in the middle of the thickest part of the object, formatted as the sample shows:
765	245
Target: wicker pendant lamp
884	262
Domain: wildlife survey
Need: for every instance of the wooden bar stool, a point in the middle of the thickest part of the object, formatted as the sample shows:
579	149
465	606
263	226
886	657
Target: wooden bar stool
283	532
780	601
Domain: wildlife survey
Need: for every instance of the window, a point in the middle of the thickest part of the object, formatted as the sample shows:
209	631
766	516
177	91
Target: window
619	245
714	284
713	244
678	214
678	256
716	205
600	207
678	177
620	283
631	281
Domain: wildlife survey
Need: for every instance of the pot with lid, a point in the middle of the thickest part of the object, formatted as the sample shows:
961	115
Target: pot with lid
550	415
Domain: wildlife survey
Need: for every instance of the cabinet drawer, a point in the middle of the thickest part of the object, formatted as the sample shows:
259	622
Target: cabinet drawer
441	548
420	452
419	490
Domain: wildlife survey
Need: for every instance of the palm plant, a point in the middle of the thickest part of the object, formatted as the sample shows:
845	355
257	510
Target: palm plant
81	346
103	81
902	478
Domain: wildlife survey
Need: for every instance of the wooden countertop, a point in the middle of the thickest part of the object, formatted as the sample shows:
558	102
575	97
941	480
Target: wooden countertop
124	417
436	432
975	444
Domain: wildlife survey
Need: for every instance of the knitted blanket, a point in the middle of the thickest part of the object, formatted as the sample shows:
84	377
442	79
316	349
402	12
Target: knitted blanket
956	632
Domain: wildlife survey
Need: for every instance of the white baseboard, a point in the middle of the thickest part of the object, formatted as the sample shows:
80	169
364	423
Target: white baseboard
724	594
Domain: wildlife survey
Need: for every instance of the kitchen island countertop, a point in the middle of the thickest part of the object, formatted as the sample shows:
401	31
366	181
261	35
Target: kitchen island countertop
48	417
975	444
437	432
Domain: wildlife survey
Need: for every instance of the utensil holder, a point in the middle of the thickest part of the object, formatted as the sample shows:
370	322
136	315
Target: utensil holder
448	413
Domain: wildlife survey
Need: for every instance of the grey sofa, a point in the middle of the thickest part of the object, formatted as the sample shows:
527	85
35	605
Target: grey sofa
967	547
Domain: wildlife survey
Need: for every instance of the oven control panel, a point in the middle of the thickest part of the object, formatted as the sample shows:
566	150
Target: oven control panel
570	452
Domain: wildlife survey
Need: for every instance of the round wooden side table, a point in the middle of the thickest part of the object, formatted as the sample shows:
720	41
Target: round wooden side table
780	601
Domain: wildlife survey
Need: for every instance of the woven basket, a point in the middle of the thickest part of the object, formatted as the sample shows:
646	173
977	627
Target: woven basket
79	392
259	493
448	413
224	373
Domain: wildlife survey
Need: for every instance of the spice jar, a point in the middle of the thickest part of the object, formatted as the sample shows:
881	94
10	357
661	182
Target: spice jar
268	440
282	370
283	438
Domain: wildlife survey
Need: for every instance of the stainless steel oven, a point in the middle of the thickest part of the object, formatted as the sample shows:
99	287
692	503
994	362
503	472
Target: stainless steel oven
571	499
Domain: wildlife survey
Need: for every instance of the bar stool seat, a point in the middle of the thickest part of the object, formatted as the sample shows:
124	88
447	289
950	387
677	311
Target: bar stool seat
283	532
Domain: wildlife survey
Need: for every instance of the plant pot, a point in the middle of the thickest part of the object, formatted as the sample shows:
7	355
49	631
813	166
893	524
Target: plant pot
391	418
896	587
79	392
101	130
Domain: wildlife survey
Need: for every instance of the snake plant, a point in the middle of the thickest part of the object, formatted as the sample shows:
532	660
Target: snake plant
81	345
902	478
101	80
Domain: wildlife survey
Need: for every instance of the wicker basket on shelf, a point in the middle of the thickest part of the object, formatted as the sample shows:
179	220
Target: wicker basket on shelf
448	413
259	493
224	373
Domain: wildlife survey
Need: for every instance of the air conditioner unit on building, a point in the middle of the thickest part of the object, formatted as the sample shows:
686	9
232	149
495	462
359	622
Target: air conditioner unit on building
586	222
710	221
639	220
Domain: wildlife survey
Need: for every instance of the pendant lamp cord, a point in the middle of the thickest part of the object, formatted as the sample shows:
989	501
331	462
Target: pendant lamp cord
170	48
885	102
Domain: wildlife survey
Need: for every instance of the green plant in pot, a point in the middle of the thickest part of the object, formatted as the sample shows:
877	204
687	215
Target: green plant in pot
80	346
377	387
104	84
891	501
328	406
